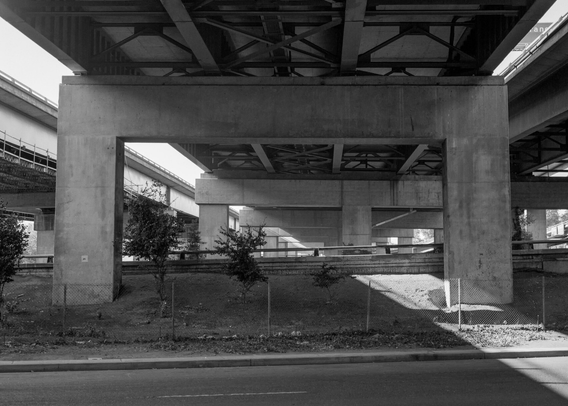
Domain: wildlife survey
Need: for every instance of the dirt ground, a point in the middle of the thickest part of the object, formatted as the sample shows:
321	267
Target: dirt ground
210	317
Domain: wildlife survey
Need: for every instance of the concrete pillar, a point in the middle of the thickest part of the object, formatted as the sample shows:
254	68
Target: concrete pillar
283	244
477	202
438	236
211	218
537	226
356	225
405	240
88	225
44	225
356	218
271	242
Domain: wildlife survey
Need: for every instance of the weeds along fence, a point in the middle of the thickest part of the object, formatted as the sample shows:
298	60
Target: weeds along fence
209	305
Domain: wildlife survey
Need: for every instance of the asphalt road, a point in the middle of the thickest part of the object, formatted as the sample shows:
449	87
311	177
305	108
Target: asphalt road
532	381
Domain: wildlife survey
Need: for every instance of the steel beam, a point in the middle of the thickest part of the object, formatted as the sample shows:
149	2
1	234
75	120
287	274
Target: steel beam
337	157
352	32
412	158
191	35
261	153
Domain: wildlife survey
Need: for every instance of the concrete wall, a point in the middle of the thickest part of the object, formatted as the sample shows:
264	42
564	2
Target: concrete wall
409	193
261	110
540	106
29	130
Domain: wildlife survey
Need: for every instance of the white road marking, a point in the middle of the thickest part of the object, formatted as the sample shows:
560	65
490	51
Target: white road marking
232	394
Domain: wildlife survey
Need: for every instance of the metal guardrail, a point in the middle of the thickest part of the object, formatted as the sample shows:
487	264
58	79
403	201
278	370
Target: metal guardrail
534	46
24	153
339	247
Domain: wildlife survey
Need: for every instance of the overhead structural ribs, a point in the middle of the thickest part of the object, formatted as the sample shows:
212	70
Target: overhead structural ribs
412	158
337	158
191	35
285	42
352	32
261	153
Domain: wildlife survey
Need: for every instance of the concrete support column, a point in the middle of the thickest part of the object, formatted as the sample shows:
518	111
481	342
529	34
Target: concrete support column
405	240
537	226
211	218
477	201
356	225
438	236
356	219
88	225
271	242
44	226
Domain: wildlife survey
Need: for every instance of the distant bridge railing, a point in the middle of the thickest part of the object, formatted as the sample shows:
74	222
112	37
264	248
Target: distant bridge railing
418	262
158	166
27	89
23	153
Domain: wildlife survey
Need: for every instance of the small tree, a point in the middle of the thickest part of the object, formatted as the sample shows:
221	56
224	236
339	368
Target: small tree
13	243
151	232
238	247
193	242
325	278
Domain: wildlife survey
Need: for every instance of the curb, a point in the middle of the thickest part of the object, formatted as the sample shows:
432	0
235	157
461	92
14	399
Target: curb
275	360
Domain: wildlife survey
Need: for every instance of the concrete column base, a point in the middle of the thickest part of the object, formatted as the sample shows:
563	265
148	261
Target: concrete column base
537	226
402	241
477	292
212	217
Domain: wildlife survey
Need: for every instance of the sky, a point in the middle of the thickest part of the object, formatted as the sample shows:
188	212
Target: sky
28	63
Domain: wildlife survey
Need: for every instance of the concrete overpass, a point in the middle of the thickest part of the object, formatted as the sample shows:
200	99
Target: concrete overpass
354	106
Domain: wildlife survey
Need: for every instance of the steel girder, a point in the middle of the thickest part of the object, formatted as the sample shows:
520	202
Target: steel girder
266	38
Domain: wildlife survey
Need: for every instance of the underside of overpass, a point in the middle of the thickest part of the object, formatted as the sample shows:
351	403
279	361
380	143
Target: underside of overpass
351	105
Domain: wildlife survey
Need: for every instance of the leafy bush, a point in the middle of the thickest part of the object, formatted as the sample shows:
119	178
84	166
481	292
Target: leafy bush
151	232
13	243
325	278
238	246
193	242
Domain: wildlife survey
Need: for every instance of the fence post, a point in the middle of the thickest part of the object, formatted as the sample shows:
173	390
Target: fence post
368	306
173	312
459	305
269	321
64	308
543	304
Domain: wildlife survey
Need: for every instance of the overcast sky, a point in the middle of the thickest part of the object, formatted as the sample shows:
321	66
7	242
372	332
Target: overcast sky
28	63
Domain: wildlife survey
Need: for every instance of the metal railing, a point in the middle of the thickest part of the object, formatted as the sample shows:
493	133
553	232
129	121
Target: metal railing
26	154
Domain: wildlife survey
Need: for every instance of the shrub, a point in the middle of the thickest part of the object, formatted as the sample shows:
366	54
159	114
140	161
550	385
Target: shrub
325	278
151	232
238	246
13	243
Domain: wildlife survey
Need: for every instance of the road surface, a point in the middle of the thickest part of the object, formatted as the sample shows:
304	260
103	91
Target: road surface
536	381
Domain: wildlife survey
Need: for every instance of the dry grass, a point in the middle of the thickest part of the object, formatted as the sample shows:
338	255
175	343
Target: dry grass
210	317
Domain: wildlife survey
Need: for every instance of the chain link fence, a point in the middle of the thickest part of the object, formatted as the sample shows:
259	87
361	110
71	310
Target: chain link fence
207	305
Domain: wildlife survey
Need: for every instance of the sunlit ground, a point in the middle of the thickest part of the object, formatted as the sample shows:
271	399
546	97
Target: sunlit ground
424	296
